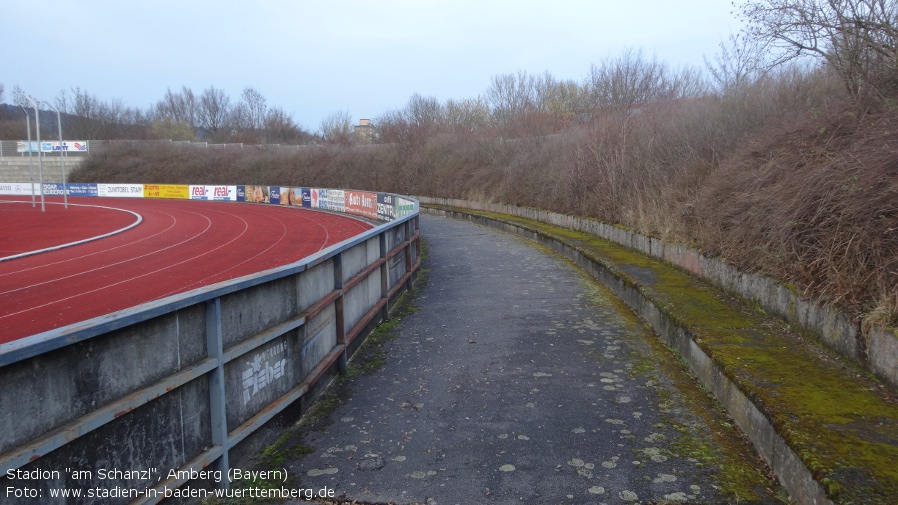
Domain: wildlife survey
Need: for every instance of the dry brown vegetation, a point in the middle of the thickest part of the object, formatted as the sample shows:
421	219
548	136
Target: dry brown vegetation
777	178
788	170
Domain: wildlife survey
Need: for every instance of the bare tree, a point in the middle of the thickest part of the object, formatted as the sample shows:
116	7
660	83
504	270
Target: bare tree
255	108
858	39
739	62
279	127
470	115
1	91
213	112
337	127
511	97
627	81
18	97
424	114
176	107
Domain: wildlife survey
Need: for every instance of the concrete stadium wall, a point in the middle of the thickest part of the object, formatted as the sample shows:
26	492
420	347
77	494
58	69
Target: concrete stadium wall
194	382
18	169
877	351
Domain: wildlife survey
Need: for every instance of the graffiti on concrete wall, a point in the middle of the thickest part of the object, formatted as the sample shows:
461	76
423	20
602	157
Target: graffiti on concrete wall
265	368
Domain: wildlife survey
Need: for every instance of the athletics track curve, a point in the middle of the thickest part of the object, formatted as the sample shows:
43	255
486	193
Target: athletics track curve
179	245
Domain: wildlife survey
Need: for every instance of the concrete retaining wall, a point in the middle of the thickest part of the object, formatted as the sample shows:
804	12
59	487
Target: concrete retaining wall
193	381
20	169
877	351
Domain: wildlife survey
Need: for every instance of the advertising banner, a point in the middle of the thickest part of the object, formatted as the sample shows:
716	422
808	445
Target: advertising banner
385	209
50	146
275	195
172	191
315	198
53	188
256	194
291	196
224	193
361	203
50	189
67	145
332	199
241	193
120	190
306	197
18	188
78	189
22	147
404	207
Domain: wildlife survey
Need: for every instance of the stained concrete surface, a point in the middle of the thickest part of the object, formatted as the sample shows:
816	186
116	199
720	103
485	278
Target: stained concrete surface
519	380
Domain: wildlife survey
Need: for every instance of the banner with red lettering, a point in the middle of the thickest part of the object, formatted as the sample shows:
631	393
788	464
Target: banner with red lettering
362	203
227	193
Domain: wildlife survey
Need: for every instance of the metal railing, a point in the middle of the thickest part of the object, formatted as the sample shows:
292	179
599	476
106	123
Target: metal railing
185	386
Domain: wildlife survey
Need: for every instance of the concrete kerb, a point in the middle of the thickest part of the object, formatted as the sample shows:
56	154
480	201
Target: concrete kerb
792	470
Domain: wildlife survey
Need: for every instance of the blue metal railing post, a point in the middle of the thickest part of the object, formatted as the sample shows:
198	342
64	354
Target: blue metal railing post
217	399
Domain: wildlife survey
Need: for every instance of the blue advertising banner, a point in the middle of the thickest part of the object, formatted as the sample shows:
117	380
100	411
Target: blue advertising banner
241	193
77	189
274	195
306	197
53	188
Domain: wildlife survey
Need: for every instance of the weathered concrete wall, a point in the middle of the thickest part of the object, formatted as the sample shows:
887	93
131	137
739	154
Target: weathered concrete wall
16	168
192	380
878	351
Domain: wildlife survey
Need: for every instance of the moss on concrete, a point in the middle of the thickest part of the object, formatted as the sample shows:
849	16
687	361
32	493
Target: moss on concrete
841	422
740	475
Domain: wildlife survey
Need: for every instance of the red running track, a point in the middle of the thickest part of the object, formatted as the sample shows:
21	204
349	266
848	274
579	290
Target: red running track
178	246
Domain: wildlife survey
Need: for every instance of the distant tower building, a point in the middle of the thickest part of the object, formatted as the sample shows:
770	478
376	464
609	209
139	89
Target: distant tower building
364	131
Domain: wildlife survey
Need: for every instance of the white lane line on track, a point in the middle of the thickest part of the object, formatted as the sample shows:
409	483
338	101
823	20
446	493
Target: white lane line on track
123	281
109	265
280	239
103	251
84	241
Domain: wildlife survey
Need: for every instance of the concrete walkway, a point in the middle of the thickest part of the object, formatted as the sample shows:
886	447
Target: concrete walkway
520	380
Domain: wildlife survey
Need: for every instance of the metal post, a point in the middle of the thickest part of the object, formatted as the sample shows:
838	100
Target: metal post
217	399
342	361
40	164
62	152
30	164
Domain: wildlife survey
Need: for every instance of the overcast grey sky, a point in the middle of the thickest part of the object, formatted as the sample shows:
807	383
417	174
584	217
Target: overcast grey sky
316	58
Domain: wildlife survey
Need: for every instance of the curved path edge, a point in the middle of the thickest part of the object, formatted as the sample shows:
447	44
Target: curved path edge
808	456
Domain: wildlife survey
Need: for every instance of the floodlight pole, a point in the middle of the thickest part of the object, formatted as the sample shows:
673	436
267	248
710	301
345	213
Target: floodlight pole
30	164
62	153
40	164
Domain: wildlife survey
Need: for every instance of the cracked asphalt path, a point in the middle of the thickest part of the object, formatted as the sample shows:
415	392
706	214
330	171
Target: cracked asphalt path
519	380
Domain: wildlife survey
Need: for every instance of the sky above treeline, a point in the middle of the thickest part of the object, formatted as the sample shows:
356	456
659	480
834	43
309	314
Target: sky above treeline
313	59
